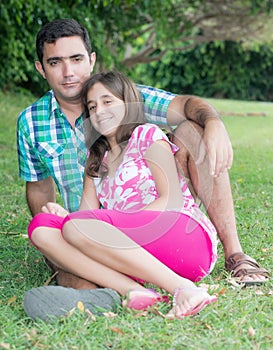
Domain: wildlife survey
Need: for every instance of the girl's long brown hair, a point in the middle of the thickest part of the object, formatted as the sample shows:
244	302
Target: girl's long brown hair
97	144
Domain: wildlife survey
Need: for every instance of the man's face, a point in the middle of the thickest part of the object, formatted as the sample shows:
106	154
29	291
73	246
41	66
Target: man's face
66	66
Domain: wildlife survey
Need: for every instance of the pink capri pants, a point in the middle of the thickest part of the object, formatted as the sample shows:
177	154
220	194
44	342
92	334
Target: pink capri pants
174	238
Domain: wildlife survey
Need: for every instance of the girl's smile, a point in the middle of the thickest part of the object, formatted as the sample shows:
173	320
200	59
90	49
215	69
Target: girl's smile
105	109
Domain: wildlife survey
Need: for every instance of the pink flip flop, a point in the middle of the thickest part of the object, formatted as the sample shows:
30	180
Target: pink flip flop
142	300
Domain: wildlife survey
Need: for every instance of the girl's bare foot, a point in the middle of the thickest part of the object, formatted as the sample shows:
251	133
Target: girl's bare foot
189	301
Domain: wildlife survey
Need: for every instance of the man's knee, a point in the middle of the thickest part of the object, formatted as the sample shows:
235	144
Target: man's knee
187	137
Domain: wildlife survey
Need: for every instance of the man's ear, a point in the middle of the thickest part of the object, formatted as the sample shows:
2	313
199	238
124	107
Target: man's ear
40	69
92	60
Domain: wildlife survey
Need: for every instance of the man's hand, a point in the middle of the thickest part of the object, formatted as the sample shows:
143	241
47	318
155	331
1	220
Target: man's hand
216	144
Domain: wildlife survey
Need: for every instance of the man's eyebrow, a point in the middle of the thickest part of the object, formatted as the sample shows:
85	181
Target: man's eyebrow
77	55
59	58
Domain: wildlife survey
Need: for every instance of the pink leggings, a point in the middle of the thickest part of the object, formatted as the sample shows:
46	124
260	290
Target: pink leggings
175	239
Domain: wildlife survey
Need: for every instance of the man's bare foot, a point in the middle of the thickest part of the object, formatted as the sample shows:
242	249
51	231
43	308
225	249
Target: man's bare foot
68	280
245	269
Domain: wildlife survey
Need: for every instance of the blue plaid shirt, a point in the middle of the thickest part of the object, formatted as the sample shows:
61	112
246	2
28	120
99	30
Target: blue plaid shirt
48	145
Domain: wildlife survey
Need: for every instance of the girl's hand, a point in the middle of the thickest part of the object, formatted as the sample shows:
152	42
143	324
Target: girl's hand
54	208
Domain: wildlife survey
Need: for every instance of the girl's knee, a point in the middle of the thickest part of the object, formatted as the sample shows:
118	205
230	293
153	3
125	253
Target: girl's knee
43	227
45	220
35	235
70	232
77	232
39	237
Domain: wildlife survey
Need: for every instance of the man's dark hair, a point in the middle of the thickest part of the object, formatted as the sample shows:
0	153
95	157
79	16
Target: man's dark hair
60	28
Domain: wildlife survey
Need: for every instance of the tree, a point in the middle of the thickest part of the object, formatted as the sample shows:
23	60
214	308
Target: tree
148	29
124	33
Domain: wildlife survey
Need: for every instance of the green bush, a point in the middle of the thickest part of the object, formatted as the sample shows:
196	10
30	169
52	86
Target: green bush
19	23
220	69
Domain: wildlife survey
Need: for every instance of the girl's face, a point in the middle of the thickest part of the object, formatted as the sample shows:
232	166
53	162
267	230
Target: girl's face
106	110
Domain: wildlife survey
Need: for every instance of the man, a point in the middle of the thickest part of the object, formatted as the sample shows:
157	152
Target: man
51	146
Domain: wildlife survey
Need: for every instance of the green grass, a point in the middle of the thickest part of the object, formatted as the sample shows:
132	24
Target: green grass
241	319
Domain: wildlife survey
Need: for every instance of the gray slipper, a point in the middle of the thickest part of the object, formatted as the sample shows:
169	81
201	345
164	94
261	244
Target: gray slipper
49	302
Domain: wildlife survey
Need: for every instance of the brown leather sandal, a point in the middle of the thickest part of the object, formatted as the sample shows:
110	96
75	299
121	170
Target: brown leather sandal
234	262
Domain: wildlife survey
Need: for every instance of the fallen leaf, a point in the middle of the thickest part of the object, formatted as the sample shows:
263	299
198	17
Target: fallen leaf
33	332
12	299
158	313
209	286
251	331
214	287
109	314
28	337
222	291
80	306
142	313
208	326
4	345
70	312
259	292
50	278
116	330
91	316
234	283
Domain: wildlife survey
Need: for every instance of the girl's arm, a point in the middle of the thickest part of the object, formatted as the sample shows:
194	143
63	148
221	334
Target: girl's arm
89	198
161	162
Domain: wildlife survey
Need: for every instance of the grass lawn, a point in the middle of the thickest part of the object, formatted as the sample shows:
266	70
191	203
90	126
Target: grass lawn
240	319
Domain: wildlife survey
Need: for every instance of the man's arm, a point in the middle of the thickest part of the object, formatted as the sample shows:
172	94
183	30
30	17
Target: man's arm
38	193
216	142
187	107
